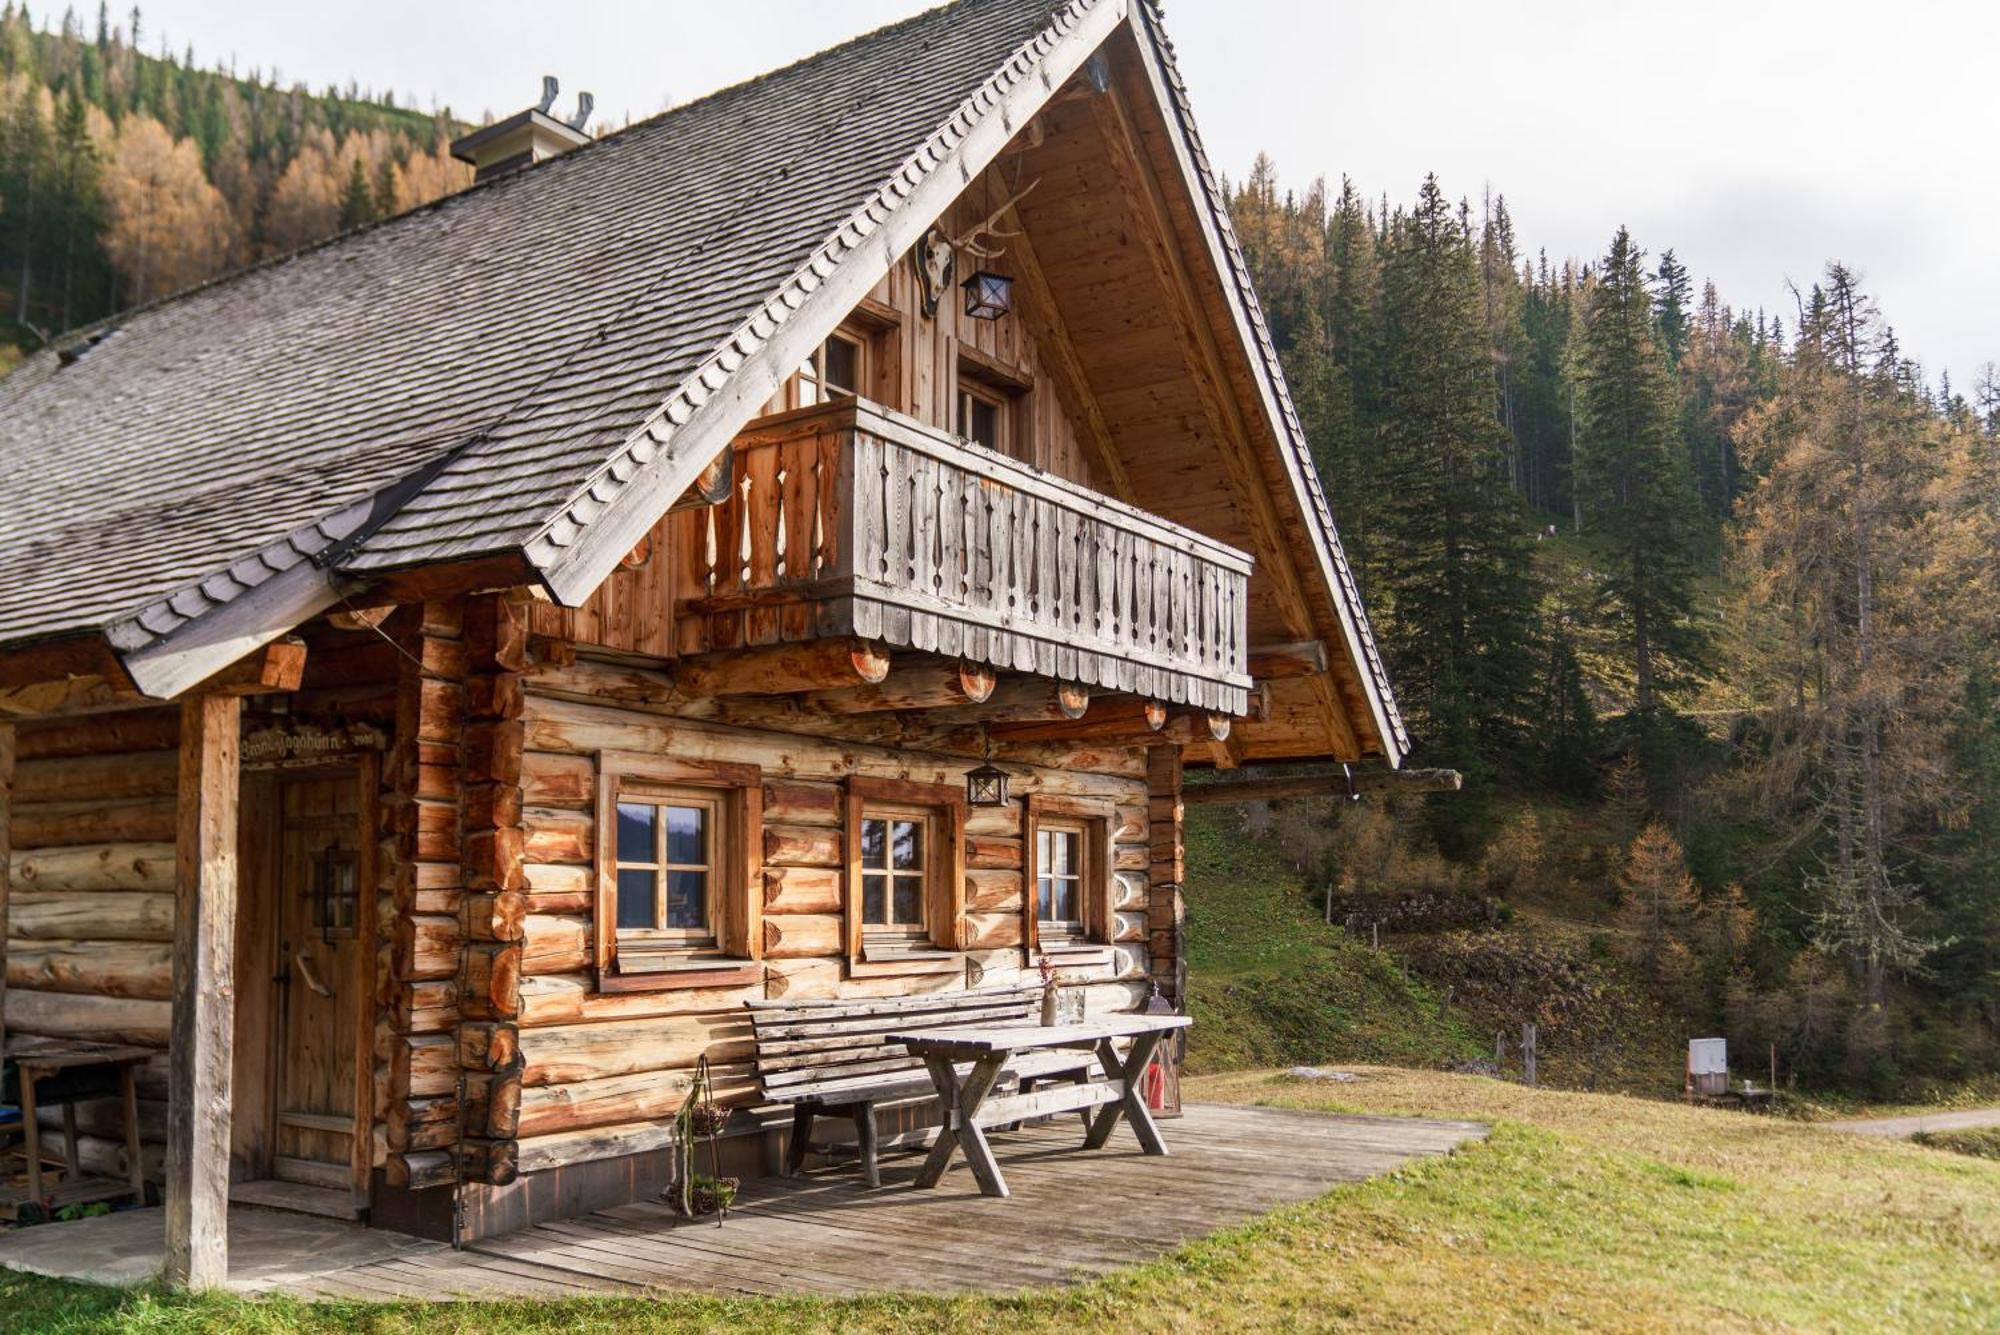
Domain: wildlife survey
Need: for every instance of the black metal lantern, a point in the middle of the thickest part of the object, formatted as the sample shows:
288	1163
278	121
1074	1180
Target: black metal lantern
986	786
988	295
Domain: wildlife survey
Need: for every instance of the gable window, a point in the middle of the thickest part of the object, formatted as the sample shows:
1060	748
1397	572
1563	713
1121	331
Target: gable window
837	369
680	871
989	401
905	876
982	417
1069	856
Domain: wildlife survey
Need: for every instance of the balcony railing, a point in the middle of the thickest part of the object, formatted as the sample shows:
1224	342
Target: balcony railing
851	520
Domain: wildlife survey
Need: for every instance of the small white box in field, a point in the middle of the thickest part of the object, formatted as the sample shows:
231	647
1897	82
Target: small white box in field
1708	1066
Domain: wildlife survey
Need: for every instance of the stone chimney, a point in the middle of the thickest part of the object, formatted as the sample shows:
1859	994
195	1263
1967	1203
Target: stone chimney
526	137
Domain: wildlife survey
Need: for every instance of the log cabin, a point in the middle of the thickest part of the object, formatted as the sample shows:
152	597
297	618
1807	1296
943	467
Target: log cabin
445	673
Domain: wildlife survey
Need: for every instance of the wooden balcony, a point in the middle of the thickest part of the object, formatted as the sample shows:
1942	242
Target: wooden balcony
853	520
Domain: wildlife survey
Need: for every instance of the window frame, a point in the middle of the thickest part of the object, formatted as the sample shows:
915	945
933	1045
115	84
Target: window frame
1078	878
658	959
810	377
939	946
1007	388
665	796
1094	821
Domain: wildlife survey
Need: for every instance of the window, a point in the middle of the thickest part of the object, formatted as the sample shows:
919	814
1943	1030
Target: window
835	370
680	871
1069	858
1059	881
906	875
666	866
989	401
895	878
981	416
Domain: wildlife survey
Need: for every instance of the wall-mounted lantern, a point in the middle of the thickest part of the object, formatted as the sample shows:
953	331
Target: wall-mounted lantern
988	295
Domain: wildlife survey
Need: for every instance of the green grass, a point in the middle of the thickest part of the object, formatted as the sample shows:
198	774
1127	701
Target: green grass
1582	1211
1979	1142
1271	984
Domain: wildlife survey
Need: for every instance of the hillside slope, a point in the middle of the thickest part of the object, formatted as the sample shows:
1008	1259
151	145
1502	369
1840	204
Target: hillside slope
1270	984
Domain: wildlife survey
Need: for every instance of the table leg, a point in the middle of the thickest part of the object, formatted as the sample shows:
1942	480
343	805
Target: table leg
135	1168
1132	1107
71	1169
971	1139
946	1083
957	1106
31	1132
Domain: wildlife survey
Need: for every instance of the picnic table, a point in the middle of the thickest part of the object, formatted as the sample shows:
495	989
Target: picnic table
967	1106
49	1072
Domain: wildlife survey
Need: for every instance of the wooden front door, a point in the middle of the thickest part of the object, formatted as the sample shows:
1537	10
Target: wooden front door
321	896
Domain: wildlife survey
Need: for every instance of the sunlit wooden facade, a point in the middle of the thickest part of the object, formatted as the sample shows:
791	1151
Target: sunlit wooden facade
433	898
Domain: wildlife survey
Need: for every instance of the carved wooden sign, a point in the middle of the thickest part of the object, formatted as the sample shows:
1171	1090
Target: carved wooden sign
300	742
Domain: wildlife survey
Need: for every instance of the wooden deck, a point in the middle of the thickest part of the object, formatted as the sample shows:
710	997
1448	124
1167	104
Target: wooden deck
1073	1214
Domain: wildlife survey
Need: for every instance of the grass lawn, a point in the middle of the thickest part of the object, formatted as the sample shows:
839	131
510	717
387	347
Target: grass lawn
1583	1210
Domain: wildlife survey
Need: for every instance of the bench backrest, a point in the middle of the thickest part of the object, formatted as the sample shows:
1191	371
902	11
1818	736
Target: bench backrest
836	1049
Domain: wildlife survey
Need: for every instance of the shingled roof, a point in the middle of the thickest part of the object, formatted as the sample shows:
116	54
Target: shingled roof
526	367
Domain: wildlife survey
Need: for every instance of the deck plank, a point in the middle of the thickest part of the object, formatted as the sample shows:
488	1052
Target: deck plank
1073	1213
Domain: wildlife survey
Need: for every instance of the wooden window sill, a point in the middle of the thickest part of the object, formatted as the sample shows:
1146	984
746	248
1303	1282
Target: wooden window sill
888	961
1072	954
663	973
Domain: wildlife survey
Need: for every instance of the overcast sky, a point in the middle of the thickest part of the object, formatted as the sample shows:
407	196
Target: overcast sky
1757	138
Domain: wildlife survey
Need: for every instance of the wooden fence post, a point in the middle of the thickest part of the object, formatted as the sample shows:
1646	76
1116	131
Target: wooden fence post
204	1003
1528	1053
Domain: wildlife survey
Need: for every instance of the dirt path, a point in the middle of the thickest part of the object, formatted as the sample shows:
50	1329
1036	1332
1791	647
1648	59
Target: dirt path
1909	1126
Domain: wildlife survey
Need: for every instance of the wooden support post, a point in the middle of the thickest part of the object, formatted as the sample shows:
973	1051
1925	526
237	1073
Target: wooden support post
204	1007
6	857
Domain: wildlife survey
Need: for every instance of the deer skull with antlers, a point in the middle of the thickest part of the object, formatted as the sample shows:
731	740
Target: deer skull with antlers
936	256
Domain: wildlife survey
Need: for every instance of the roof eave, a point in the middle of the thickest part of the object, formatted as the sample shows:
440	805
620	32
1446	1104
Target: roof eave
1274	400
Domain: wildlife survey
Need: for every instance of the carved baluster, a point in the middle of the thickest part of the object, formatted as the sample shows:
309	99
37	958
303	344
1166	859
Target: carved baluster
968	552
779	550
1058	541
934	531
819	517
710	549
743	548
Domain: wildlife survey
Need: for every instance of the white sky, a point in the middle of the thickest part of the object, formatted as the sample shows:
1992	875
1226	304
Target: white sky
1758	138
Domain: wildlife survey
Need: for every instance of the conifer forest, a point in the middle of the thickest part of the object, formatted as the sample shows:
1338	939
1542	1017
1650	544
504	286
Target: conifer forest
1701	599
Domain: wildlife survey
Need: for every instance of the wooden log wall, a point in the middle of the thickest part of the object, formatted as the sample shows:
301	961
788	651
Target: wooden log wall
420	915
88	841
1167	870
496	901
601	1073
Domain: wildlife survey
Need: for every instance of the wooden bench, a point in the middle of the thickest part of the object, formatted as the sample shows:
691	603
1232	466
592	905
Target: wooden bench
833	1058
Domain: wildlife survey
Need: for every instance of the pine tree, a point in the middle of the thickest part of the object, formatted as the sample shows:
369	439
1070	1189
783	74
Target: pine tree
1453	573
1500	282
1632	477
357	202
81	211
1565	721
1864	589
1672	289
1657	903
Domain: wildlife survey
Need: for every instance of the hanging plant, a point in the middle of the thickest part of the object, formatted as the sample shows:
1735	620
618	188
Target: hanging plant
701	1118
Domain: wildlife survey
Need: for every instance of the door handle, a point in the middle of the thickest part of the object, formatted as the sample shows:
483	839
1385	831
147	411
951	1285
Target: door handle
312	979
